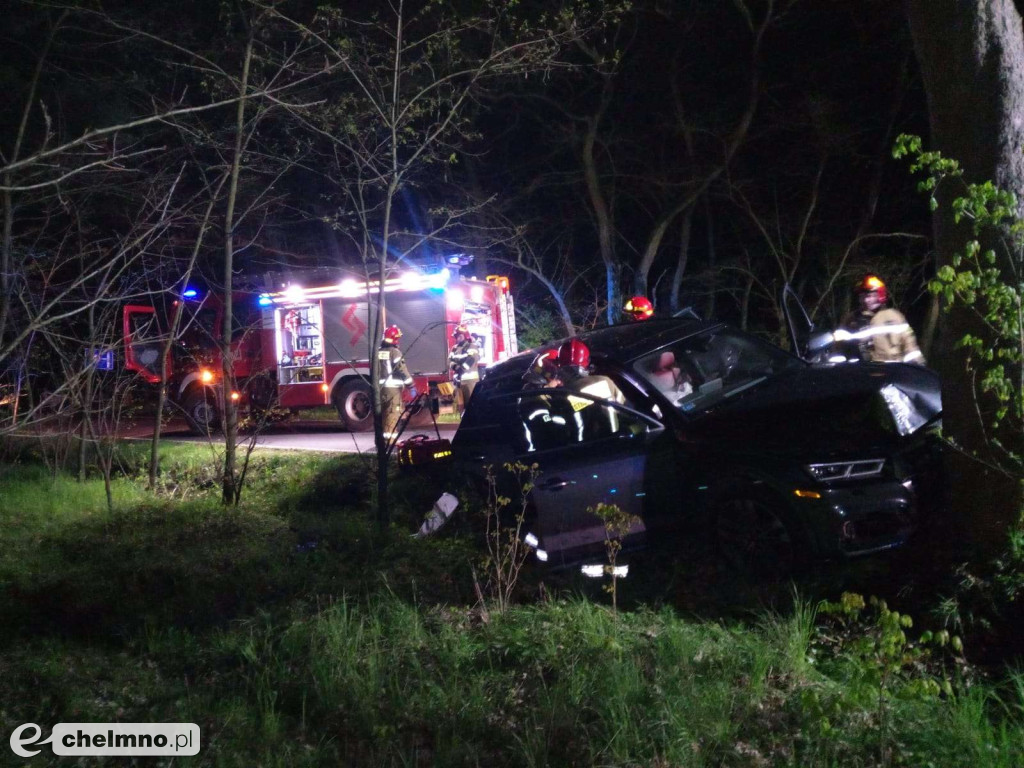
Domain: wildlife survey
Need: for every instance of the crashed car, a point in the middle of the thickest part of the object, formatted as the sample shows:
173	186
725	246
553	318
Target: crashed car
776	461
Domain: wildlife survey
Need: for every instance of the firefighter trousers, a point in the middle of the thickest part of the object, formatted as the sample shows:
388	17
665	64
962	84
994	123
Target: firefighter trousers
466	391
391	409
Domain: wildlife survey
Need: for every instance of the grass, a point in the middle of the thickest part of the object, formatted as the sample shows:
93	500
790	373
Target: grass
294	633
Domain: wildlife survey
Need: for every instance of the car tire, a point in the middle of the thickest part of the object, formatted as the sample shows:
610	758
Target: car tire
201	411
354	402
754	536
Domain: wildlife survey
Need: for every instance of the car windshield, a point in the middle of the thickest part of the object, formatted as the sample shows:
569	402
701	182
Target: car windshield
701	370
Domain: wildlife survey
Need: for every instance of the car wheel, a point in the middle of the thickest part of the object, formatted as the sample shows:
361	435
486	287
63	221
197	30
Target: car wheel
201	412
354	402
753	537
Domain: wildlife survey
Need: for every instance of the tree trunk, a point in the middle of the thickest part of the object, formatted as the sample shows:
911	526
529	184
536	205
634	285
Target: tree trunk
684	255
172	332
229	487
971	55
603	213
709	311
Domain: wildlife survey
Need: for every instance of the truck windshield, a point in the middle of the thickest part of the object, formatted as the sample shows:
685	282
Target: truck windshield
699	371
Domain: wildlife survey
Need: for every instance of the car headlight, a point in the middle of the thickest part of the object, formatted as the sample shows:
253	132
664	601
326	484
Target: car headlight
846	470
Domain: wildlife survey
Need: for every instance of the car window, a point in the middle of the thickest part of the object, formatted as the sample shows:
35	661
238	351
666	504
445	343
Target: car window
554	418
703	369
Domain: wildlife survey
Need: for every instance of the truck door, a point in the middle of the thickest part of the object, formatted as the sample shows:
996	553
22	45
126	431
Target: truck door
143	342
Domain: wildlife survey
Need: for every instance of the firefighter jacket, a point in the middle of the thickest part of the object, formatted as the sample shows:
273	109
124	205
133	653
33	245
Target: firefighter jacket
464	360
393	372
603	421
884	336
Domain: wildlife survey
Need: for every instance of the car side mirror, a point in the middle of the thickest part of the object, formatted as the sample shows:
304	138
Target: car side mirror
818	342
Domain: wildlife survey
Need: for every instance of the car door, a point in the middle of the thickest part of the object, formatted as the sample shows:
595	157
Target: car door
142	341
588	451
808	342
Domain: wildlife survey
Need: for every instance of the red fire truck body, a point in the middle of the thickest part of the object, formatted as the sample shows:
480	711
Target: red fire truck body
309	346
322	347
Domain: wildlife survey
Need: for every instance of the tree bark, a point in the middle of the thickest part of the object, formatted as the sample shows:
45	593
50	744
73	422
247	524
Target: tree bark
971	56
603	212
172	332
684	255
229	486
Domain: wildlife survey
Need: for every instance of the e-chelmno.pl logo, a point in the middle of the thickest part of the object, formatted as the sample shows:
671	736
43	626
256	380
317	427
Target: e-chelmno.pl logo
109	739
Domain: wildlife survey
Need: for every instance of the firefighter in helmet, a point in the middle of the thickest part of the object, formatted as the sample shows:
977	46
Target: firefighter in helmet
876	332
575	373
638	308
543	420
463	362
394	377
544	371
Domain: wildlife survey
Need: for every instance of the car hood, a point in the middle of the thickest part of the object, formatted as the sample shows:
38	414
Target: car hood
827	412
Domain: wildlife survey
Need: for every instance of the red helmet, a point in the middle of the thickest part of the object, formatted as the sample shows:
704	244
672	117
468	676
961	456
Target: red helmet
460	330
547	362
873	284
639	308
392	334
574	353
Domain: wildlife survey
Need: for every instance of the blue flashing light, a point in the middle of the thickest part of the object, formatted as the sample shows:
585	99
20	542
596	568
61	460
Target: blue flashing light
265	300
189	293
439	280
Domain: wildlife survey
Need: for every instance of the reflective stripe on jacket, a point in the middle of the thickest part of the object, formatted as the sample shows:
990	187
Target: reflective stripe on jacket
884	337
394	373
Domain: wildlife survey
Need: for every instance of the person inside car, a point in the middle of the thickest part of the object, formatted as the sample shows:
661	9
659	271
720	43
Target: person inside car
669	378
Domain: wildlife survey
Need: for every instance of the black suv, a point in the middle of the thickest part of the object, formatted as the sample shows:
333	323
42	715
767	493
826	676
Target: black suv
721	433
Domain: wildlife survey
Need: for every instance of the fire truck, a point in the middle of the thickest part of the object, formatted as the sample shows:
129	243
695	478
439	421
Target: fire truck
306	346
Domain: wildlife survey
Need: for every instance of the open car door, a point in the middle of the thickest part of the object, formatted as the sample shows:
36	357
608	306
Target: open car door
142	342
808	342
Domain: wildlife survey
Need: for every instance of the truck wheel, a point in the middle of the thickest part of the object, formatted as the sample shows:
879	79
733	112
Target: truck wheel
200	406
355	406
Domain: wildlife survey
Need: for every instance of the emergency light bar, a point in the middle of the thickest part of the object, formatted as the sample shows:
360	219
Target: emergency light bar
351	288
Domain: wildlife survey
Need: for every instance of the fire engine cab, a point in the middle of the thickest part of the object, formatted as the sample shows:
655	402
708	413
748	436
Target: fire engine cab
322	348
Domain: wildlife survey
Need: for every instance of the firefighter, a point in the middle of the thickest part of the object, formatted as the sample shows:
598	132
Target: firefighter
575	373
463	361
638	308
878	333
394	377
543	372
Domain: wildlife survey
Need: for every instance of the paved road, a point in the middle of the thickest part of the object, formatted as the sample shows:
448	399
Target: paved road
304	436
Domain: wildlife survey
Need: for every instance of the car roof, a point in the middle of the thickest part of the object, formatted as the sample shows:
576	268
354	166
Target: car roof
622	343
629	341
